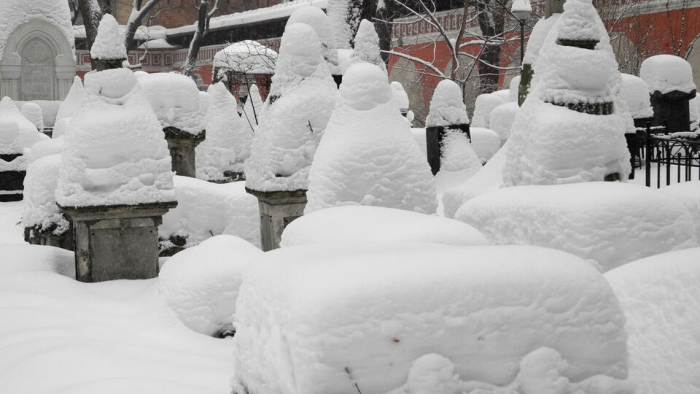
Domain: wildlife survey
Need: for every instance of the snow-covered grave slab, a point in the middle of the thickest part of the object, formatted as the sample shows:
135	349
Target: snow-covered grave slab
661	300
607	223
358	318
359	224
60	336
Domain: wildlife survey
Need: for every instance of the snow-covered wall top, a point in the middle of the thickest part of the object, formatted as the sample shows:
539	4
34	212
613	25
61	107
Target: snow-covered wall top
667	73
14	13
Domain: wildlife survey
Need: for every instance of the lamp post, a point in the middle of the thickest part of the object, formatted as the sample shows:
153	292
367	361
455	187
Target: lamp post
521	10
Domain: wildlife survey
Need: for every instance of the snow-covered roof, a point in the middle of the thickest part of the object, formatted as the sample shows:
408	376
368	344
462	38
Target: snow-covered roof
247	57
14	13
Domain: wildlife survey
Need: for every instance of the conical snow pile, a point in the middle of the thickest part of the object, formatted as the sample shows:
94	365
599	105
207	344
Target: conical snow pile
367	156
317	19
70	105
301	99
108	50
571	127
367	46
115	153
446	106
227	145
253	108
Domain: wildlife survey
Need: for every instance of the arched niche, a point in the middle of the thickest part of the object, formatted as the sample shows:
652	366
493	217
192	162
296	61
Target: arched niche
37	63
405	71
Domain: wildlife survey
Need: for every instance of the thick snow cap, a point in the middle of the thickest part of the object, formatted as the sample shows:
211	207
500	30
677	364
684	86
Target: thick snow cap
537	37
317	19
485	103
175	100
446	106
667	73
521	6
367	155
109	43
635	93
367	45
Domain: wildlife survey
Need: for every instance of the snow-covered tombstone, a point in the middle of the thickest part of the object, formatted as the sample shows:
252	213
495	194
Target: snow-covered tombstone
670	82
485	103
175	100
571	128
108	50
221	156
33	113
252	110
367	46
294	117
115	180
319	21
13	164
401	98
367	155
371	316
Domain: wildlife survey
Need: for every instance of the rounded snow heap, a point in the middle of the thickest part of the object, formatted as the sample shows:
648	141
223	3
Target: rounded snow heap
635	93
34	114
40	211
175	100
109	43
318	20
9	137
28	134
367	46
400	96
485	103
368	156
667	73
446	106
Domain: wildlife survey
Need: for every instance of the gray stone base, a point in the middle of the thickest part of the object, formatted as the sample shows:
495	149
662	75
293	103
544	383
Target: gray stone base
182	150
12	185
116	242
277	210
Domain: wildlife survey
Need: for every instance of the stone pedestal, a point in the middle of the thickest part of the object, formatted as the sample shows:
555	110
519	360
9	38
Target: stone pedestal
433	141
48	238
11	182
116	241
672	110
182	150
277	210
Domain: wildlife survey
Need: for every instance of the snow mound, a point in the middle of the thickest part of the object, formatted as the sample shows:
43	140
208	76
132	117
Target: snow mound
580	21
485	103
36	258
71	104
400	96
667	73
175	100
39	204
607	223
207	209
370	311
109	43
635	93
687	193
45	148
367	155
352	224
61	128
502	118
457	153
201	283
115	152
33	113
485	142
9	137
446	106
367	46
205	101
28	134
661	300
317	19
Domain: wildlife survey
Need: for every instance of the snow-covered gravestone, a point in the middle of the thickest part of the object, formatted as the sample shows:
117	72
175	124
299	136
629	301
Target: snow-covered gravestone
367	46
12	164
367	155
108	51
448	115
175	100
671	86
401	98
115	182
302	97
571	127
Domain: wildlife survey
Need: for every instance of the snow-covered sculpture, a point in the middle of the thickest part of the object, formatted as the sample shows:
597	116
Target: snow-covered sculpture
221	156
252	108
34	114
671	86
108	50
367	46
367	156
571	128
635	93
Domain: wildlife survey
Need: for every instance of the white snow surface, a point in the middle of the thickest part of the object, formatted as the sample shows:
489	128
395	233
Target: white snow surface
71	104
502	118
458	161
32	112
115	152
667	73
319	21
367	46
296	334
175	100
485	103
537	38
201	283
514	89
295	114
344	21
248	57
227	145
352	224
400	96
208	209
28	134
367	155
205	100
14	13
687	193
109	43
661	300
485	142
253	108
635	93
10	143
44	148
40	210
606	223
446	106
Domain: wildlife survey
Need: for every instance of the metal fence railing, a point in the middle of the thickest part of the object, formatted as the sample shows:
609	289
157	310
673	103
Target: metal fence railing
676	155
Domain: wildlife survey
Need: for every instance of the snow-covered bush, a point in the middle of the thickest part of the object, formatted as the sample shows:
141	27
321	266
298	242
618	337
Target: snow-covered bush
485	142
371	312
227	145
345	20
350	225
635	93
207	209
606	223
253	108
667	73
115	152
33	113
201	283
10	143
367	155
175	100
367	46
28	134
39	211
661	300
317	19
45	148
301	99
502	118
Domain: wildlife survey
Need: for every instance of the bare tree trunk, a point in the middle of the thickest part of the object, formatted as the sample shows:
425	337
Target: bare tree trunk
491	22
138	12
202	30
91	12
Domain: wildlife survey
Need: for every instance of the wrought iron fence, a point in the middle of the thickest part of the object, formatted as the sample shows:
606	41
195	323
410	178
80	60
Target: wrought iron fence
676	155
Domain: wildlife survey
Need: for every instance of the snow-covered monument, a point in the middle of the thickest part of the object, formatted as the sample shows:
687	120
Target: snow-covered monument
37	59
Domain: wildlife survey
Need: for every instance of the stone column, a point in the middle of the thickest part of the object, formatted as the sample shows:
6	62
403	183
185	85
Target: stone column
12	182
116	241
277	210
182	150
553	7
672	110
433	141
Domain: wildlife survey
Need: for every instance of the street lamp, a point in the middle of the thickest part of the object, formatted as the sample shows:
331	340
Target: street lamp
521	10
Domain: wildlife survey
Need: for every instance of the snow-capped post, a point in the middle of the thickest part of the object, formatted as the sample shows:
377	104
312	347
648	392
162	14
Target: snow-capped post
115	181
108	51
671	87
13	165
175	100
302	97
447	112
